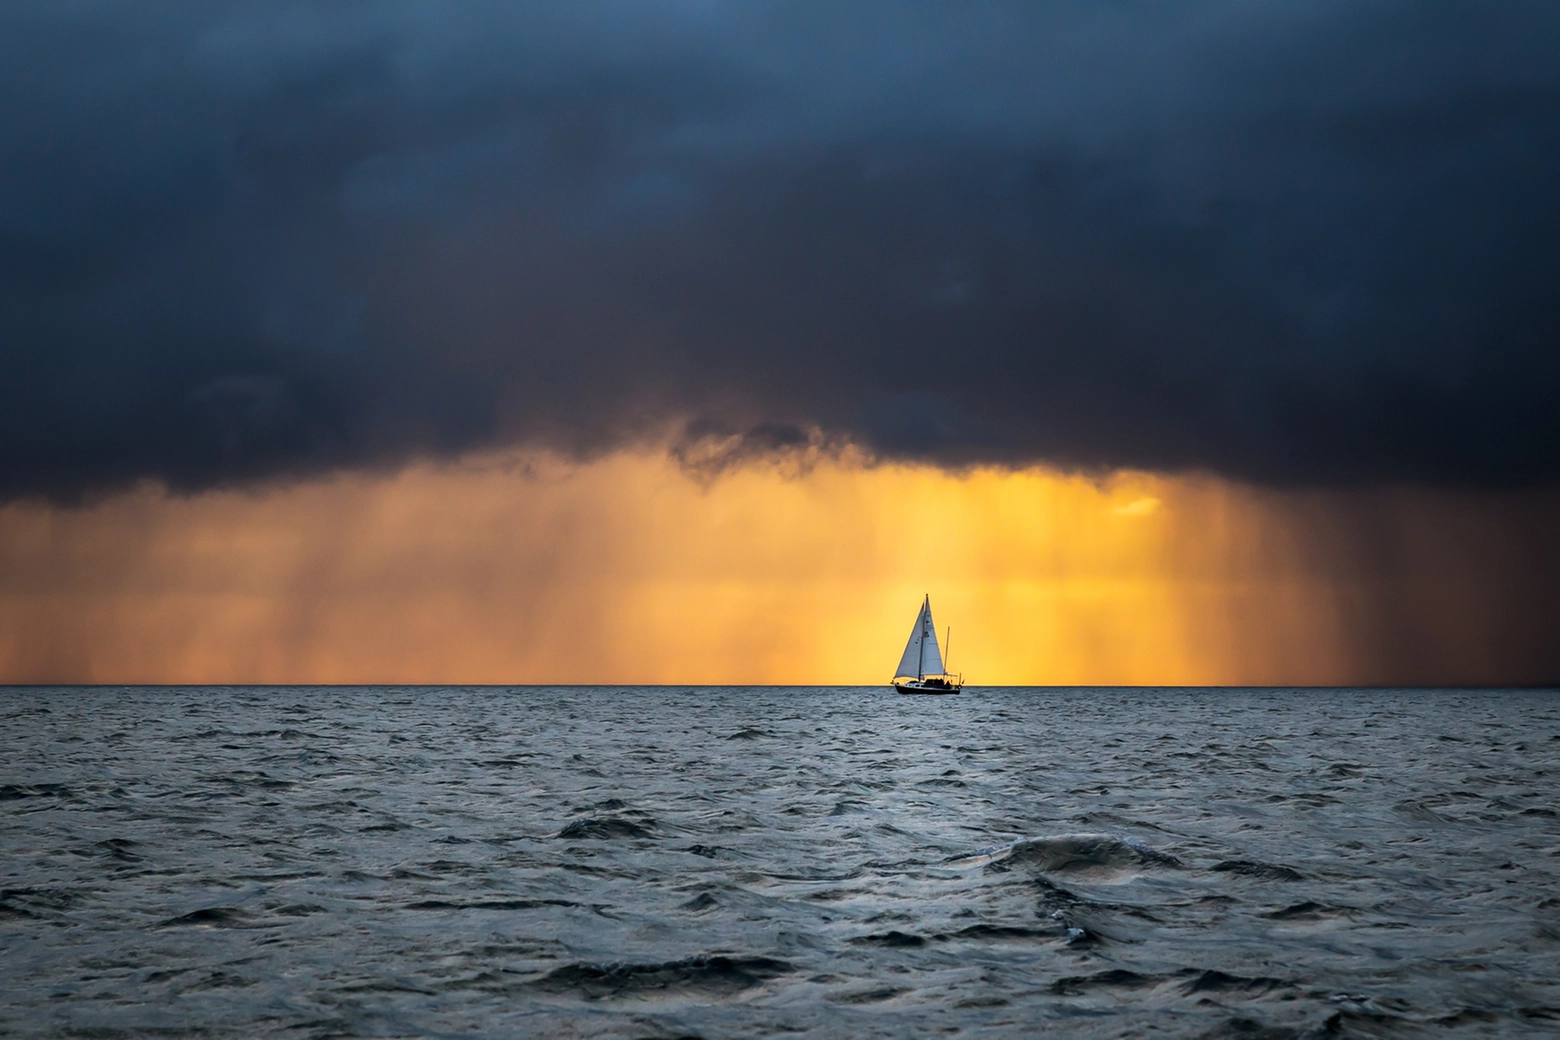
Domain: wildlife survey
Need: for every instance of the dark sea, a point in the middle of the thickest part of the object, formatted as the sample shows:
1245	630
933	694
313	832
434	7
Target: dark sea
743	862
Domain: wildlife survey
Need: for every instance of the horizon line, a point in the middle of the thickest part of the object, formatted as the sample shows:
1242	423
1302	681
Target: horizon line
773	686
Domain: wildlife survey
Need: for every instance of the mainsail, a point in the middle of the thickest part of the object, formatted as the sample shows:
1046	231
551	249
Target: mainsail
922	656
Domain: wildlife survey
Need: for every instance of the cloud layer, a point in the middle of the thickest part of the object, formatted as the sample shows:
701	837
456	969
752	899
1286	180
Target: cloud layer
1293	243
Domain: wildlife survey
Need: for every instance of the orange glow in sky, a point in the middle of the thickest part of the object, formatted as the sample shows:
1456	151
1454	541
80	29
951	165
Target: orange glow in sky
629	570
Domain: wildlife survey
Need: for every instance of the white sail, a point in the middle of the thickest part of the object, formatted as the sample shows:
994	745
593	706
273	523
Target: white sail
922	656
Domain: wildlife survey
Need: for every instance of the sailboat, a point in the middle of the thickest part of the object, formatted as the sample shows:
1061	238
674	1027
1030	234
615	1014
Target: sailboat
921	668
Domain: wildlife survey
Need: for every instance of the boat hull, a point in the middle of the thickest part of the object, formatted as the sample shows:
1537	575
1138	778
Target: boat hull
921	687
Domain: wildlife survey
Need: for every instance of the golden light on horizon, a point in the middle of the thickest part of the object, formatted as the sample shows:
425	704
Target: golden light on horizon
507	569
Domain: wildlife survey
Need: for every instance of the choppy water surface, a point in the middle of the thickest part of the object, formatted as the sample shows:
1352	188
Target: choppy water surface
746	862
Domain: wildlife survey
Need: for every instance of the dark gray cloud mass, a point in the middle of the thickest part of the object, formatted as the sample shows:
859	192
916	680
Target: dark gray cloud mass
1295	243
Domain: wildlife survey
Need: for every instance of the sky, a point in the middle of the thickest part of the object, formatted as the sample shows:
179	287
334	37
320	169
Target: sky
694	341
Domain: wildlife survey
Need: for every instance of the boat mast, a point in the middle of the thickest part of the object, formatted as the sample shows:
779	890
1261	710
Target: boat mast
920	664
947	650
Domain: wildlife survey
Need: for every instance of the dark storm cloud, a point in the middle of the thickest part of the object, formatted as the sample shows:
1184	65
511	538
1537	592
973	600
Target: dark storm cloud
1309	243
